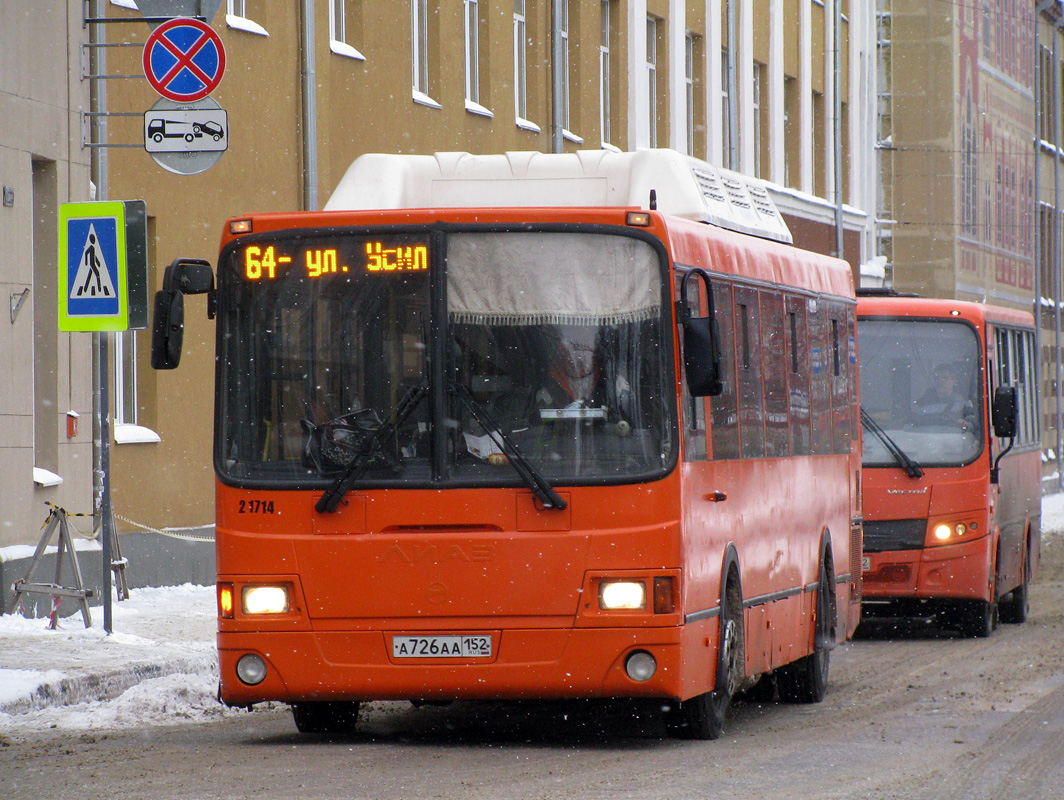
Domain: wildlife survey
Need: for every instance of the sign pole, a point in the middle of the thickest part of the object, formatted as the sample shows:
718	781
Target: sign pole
103	345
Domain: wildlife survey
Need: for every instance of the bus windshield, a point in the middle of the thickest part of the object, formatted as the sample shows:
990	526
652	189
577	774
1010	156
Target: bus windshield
432	357
919	382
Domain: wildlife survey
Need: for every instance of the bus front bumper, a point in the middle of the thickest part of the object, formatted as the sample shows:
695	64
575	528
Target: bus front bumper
525	664
960	571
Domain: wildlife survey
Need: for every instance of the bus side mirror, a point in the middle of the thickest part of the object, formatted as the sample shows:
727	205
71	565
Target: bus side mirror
701	342
183	276
1003	412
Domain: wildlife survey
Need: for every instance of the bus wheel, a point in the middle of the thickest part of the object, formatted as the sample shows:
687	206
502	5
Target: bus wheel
977	618
1013	608
806	680
325	716
702	717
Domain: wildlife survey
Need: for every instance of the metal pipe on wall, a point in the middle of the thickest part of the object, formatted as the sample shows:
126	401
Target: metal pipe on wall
310	109
557	76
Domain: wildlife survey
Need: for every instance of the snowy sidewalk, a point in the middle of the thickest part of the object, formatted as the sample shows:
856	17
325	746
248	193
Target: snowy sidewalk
158	632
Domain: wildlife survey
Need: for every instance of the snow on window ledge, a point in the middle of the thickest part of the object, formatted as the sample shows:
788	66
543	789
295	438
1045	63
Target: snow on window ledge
125	4
474	107
423	99
528	125
134	434
611	147
245	24
572	137
43	477
346	50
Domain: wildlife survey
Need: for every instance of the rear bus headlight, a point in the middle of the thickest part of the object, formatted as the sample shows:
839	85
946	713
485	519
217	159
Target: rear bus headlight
265	599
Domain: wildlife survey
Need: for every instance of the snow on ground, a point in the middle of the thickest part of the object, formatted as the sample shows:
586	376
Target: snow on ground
172	626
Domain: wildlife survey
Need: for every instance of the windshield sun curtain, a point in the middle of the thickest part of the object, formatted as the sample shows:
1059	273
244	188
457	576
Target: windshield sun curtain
548	356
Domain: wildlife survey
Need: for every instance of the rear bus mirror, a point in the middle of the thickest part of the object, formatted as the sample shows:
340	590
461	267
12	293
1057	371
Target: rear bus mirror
701	342
183	276
1003	412
168	329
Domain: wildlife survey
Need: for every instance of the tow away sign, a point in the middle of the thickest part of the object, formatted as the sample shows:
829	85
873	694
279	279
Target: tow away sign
186	130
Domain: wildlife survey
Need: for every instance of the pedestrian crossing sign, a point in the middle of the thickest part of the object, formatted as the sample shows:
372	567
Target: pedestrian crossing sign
93	267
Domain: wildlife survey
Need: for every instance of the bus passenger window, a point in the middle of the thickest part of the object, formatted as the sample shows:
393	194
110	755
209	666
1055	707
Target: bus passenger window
751	392
773	337
723	408
798	380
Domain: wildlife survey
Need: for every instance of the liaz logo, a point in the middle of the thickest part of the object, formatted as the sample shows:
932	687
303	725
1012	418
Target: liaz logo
438	554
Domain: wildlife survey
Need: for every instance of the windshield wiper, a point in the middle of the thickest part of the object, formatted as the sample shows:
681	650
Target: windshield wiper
342	485
522	466
912	469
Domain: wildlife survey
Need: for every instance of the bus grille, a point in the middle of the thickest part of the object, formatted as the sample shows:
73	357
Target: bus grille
894	534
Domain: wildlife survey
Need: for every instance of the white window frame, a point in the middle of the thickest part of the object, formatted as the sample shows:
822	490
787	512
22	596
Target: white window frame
237	19
652	80
759	71
521	67
419	37
471	18
689	89
604	73
126	428
563	35
338	43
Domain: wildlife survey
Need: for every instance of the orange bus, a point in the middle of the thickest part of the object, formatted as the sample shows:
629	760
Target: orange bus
952	457
522	449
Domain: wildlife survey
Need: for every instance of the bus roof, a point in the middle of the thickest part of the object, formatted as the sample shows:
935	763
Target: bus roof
684	186
914	306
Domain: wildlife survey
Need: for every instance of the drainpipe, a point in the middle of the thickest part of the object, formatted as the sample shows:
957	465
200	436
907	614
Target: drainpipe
310	110
1056	256
557	89
837	128
732	82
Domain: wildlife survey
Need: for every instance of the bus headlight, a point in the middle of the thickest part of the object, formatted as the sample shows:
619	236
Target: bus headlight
946	531
265	599
622	595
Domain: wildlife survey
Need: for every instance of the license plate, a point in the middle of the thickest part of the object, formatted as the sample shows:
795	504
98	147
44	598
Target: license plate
866	564
441	647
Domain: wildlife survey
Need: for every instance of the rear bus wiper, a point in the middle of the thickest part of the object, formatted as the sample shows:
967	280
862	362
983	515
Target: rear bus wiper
912	469
342	485
522	466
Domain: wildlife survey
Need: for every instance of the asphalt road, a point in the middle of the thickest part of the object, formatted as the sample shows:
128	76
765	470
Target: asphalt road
913	714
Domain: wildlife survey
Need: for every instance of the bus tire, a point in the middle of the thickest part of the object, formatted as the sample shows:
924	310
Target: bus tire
978	618
806	680
1014	607
702	716
327	716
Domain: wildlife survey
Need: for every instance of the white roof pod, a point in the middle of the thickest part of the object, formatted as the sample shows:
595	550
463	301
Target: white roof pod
685	186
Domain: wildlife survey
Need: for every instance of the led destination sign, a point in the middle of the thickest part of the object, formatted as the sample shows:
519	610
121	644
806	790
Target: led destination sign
270	261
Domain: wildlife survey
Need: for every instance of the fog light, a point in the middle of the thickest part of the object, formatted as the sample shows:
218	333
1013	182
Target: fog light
617	595
251	669
265	599
640	666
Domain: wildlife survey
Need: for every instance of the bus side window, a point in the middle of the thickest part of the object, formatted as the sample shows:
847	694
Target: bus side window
820	389
724	413
776	363
798	375
840	380
748	362
694	408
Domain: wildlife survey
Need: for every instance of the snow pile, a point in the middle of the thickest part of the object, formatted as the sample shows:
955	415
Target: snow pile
1053	514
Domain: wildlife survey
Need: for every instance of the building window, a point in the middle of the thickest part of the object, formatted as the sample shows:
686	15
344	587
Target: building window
339	10
689	89
236	17
472	55
725	111
604	70
759	71
125	352
521	64
652	80
419	12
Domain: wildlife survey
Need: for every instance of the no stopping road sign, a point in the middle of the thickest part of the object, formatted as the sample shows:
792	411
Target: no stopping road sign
184	59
